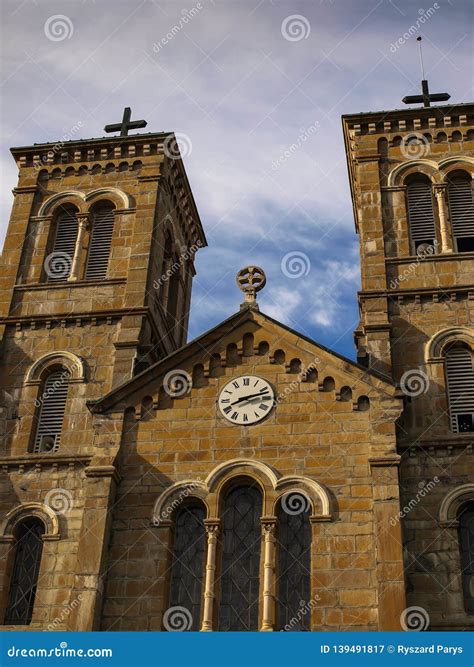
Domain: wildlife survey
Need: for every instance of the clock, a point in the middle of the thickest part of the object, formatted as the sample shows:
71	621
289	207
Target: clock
246	400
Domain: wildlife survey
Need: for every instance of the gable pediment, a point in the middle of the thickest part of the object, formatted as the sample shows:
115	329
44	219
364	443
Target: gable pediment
248	340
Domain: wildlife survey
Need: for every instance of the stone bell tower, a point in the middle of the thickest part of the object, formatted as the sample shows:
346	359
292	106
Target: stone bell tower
98	264
411	173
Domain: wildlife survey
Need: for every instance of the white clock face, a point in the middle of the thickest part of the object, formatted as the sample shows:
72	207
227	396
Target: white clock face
246	400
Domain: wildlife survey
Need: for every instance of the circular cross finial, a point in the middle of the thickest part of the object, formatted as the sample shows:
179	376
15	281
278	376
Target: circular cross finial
251	280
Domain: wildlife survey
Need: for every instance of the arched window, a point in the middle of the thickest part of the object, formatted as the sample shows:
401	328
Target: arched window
241	538
461	210
466	537
460	384
420	213
188	561
58	263
51	404
100	242
294	563
24	579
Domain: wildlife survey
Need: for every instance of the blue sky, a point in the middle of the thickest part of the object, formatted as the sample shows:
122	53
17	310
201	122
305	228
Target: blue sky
242	81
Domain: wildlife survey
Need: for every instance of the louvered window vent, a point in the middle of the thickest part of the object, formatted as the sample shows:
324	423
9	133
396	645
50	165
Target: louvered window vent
51	412
461	209
59	262
460	379
421	215
99	249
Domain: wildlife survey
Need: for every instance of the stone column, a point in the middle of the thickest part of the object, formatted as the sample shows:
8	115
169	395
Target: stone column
268	535
388	541
93	545
82	220
212	530
445	232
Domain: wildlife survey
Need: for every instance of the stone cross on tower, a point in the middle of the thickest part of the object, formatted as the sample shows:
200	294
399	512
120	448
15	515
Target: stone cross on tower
126	124
251	280
426	97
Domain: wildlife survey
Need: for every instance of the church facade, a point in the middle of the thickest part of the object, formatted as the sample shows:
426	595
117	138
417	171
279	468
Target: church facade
250	479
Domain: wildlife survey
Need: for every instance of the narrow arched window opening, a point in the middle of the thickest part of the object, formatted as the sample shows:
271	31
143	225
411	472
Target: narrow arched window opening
420	213
241	559
461	210
460	385
24	577
58	263
100	243
187	573
294	602
466	539
51	405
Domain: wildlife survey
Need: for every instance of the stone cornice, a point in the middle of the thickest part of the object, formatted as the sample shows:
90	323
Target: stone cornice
31	459
26	287
384	461
415	259
103	471
24	189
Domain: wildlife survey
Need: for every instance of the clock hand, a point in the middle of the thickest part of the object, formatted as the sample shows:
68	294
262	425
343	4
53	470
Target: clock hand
260	394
